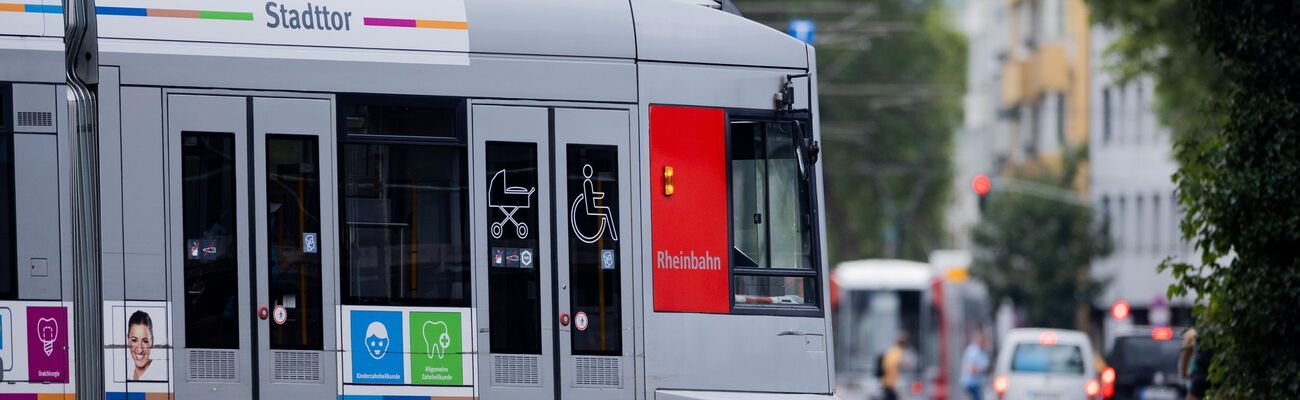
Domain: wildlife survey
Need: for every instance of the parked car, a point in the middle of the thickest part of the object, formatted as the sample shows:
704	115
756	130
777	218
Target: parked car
1045	364
1144	366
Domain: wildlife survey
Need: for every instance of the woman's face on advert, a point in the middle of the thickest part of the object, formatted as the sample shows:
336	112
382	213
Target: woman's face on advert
141	342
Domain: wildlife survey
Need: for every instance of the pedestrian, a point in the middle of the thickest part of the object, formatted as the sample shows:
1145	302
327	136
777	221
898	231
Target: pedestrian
892	363
1194	365
974	366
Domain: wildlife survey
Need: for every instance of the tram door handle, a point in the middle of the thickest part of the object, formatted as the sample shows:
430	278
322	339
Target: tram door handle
792	333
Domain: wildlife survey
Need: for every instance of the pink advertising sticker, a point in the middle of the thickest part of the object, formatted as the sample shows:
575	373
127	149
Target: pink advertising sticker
47	344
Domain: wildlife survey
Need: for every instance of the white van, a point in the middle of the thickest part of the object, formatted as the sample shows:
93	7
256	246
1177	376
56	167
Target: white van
1045	364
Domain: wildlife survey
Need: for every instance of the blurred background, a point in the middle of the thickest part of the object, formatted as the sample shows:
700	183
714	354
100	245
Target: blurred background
992	165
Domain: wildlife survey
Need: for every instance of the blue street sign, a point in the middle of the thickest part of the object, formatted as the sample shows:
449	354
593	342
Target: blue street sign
803	29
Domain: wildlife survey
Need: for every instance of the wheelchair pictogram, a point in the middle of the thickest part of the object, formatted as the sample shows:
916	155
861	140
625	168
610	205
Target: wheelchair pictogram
589	206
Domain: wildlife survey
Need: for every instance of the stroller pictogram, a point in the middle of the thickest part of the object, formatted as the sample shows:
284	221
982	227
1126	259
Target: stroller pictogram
589	204
508	199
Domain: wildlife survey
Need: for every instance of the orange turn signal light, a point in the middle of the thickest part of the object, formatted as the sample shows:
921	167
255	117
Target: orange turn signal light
669	188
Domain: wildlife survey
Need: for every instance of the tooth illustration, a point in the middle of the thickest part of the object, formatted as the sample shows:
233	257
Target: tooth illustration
47	331
437	338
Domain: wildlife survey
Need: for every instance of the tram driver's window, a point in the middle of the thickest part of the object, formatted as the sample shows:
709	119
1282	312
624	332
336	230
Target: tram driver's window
8	250
772	255
405	206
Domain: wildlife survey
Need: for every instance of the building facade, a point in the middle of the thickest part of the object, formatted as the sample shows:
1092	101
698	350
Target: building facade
1028	98
1132	165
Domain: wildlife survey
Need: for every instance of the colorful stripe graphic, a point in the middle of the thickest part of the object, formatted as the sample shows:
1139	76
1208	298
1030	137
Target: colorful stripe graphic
400	397
37	396
416	23
31	8
137	396
134	12
172	13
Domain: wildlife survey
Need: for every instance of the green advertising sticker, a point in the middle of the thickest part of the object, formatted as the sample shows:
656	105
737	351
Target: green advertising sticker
436	349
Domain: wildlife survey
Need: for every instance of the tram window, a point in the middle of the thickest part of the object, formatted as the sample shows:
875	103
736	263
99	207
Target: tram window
293	249
8	250
401	120
211	265
405	224
769	198
771	215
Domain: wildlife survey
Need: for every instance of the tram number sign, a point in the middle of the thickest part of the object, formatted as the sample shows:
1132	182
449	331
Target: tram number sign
580	321
280	315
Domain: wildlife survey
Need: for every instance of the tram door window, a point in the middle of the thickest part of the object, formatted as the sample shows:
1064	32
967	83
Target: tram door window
211	266
8	252
254	247
293	249
513	249
557	315
594	247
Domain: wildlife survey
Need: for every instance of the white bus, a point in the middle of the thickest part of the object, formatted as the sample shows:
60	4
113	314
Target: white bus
443	199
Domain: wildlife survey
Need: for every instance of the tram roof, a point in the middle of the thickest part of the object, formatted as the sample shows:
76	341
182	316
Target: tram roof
646	30
882	274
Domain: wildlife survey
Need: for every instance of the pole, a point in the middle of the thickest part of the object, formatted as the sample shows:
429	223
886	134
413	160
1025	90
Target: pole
81	60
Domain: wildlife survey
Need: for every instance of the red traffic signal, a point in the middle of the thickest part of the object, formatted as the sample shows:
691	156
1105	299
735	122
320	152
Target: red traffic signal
981	185
1120	310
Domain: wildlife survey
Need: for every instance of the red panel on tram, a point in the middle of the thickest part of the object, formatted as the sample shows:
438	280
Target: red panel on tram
688	209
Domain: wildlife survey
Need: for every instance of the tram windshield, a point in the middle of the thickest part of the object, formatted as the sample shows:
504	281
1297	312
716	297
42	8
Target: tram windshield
872	321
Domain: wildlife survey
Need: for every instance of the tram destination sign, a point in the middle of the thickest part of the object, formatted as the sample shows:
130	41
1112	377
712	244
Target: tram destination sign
431	25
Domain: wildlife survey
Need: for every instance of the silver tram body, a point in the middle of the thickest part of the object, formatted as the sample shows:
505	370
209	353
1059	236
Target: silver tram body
450	199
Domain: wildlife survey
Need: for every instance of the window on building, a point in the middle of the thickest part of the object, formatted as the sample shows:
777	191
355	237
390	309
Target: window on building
1138	239
1062	10
1138	110
1156	228
1106	127
1106	215
405	212
1061	120
772	214
1121	224
8	241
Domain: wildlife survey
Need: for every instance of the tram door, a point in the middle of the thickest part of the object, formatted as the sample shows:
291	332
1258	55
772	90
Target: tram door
252	189
553	263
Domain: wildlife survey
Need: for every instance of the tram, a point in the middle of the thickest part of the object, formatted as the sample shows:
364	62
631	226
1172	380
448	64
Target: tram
877	299
443	199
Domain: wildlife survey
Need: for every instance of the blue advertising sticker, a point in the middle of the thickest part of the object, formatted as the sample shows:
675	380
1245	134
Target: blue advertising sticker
377	347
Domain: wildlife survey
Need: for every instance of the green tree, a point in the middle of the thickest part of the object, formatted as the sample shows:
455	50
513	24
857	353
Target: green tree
1035	249
1225	73
1240	185
891	77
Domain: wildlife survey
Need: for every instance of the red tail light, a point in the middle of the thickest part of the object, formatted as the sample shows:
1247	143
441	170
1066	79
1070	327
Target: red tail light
1162	333
1108	383
1000	385
1092	388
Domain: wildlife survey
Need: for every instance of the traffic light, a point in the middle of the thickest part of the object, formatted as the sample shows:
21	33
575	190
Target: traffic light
981	184
1120	310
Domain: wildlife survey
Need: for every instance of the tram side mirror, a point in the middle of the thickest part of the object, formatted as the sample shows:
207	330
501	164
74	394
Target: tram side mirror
808	150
